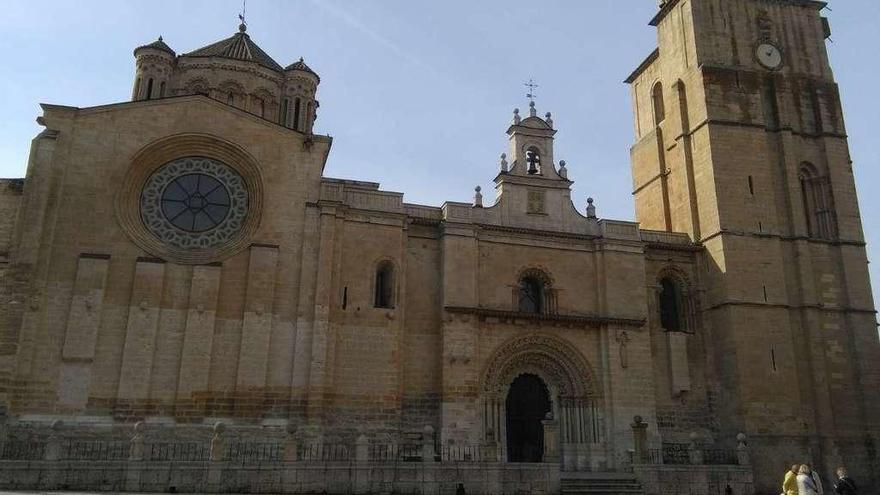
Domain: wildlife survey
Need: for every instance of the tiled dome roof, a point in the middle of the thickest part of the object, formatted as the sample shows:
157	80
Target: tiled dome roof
157	45
238	47
301	65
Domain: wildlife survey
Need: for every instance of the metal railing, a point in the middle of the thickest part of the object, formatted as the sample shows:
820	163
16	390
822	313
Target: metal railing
95	450
255	452
178	451
23	450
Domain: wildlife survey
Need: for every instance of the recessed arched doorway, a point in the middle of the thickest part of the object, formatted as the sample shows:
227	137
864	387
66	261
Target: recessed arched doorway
528	403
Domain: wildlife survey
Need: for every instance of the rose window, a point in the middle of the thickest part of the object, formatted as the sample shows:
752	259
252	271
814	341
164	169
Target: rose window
194	202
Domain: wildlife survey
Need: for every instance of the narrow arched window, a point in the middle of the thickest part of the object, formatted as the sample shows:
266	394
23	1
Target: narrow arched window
657	101
137	89
683	107
285	107
310	117
297	103
670	306
384	289
149	89
531	295
262	107
230	99
162	90
818	203
533	160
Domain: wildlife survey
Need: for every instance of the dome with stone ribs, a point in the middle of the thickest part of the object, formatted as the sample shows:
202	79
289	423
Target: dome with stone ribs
238	47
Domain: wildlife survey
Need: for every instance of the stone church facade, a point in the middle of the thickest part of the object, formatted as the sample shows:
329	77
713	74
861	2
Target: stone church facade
180	260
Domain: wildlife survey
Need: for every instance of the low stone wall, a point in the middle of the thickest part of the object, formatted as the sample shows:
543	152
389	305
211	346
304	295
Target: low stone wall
695	480
414	478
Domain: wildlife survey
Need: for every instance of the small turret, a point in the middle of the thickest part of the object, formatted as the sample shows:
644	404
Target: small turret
299	105
154	65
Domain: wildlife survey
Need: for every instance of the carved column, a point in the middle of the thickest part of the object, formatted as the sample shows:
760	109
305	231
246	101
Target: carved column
551	438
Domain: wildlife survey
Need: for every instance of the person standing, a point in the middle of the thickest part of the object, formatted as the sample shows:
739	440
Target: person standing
789	483
845	485
817	480
805	482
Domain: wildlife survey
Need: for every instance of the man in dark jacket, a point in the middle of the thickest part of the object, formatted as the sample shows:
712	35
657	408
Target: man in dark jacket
845	485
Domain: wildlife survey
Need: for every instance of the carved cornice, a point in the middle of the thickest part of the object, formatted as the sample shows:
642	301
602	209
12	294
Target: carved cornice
570	320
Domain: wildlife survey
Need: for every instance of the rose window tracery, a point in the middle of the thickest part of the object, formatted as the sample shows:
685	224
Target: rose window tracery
194	202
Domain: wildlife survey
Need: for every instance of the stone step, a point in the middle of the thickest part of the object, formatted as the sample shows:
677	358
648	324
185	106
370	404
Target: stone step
600	484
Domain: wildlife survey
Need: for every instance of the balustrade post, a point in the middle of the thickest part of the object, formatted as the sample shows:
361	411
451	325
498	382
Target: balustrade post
136	443
218	443
361	449
217	454
135	459
290	447
695	453
53	445
428	444
742	450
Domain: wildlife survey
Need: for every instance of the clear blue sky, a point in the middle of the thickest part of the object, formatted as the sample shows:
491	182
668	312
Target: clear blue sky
416	94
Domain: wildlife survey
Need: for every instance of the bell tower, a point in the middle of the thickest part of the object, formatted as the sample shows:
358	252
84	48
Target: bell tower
740	142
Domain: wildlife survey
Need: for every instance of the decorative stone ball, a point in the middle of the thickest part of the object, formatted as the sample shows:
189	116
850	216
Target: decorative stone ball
741	437
694	436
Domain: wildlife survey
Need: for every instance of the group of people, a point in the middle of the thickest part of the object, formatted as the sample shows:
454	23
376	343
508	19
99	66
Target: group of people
802	480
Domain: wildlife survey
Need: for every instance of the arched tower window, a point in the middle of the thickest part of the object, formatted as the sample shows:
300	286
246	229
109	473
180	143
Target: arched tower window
162	90
531	295
137	89
262	107
818	203
149	93
533	160
534	293
285	108
671	311
384	287
230	99
297	104
310	116
657	101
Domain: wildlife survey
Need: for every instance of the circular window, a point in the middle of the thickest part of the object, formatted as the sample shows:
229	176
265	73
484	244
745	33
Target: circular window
194	202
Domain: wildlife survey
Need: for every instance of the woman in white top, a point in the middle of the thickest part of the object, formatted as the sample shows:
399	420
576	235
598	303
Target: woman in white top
806	484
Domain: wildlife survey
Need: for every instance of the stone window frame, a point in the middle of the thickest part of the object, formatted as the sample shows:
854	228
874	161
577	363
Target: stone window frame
688	304
549	294
390	297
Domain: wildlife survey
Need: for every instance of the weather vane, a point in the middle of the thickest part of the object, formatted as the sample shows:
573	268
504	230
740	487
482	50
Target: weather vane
243	12
531	94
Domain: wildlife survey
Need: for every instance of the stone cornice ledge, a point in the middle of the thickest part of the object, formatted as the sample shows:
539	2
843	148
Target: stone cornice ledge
563	319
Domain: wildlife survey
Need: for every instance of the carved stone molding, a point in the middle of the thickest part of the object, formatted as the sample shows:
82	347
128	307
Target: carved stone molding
164	151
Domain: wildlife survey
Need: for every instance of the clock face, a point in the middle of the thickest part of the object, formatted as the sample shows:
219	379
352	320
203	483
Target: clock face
769	56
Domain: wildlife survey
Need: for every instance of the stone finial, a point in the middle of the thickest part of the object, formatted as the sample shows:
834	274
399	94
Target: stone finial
563	172
743	457
160	37
136	443
549	119
591	209
218	443
516	118
478	197
532	111
503	162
